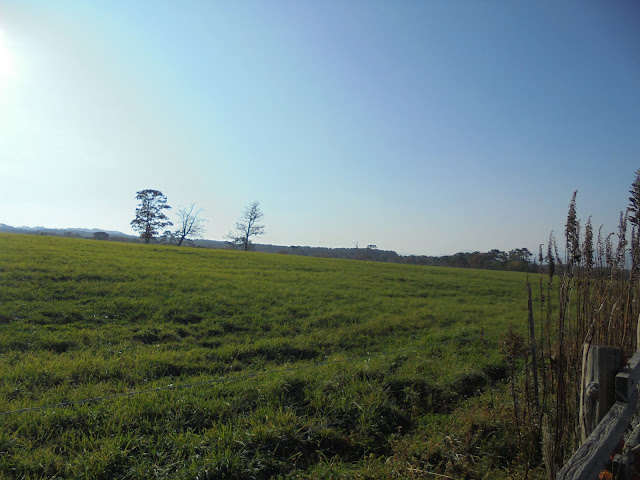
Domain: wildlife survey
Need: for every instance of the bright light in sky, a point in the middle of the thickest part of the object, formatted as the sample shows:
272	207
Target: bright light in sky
6	60
421	127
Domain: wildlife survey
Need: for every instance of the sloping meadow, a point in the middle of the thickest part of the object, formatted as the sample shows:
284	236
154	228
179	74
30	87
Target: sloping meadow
141	361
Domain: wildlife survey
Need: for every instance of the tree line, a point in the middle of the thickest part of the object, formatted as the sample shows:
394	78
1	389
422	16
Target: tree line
519	260
151	220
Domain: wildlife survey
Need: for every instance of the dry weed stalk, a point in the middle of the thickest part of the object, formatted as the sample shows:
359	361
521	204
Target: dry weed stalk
590	296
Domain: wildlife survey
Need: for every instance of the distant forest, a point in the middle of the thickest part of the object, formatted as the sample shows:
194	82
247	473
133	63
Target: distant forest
520	259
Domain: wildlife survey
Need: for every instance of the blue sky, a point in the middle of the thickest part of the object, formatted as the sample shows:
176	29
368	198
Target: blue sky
425	127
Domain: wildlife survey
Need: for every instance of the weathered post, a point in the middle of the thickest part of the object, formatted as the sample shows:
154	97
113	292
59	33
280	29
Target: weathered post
600	364
599	368
625	462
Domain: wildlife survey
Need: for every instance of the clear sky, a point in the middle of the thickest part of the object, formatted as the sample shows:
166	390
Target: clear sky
426	127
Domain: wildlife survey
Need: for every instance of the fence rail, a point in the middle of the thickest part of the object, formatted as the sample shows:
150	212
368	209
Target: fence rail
594	454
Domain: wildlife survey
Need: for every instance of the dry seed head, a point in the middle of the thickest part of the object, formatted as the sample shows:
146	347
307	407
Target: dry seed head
634	201
622	240
572	233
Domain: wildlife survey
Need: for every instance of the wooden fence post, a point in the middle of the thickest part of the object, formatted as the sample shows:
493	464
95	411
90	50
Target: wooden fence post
597	395
592	456
624	464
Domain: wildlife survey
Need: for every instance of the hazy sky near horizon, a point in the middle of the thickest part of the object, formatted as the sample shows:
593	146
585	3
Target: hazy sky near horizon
426	127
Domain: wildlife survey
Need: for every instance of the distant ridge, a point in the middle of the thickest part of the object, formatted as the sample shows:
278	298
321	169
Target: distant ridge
79	232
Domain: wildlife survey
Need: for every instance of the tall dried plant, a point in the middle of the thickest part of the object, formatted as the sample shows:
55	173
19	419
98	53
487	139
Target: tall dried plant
591	297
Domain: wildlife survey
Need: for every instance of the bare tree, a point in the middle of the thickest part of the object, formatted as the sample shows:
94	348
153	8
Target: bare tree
190	225
247	226
149	214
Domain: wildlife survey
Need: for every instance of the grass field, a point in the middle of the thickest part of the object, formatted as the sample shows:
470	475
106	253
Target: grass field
224	364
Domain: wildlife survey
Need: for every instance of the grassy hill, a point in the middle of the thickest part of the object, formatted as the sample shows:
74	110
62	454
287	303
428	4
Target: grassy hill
139	361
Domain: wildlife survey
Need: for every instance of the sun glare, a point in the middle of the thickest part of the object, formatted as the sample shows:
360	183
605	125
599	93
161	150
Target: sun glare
6	63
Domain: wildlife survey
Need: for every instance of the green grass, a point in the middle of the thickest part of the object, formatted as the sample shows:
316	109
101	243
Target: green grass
306	367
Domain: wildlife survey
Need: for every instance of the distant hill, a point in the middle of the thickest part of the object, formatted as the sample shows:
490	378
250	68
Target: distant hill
62	232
